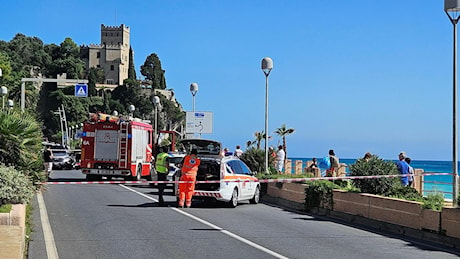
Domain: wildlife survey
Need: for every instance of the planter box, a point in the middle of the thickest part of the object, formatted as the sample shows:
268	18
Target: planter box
450	221
401	213
391	210
396	211
289	191
431	220
351	203
12	232
16	217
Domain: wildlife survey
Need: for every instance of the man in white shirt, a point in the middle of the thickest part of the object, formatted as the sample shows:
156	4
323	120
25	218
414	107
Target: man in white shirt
238	152
280	156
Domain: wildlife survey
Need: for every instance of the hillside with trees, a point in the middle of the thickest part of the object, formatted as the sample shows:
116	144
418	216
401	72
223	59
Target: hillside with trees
29	57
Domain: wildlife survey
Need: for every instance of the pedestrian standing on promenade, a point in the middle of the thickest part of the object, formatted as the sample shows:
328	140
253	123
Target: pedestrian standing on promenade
238	152
312	166
335	164
403	168
227	152
48	161
189	170
367	156
411	171
280	157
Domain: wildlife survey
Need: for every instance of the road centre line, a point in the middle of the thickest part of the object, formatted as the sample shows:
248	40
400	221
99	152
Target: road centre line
50	244
228	233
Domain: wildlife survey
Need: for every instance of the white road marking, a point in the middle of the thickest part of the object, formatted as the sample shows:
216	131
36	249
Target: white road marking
51	250
250	243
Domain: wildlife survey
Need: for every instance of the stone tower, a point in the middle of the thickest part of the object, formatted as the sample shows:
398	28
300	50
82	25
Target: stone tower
112	54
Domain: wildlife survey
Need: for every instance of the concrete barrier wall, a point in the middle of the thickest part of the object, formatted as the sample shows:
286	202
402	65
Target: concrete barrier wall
351	203
401	212
450	221
289	191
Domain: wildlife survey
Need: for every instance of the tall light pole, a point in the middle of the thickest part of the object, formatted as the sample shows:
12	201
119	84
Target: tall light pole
452	8
131	110
267	66
3	92
156	101
193	90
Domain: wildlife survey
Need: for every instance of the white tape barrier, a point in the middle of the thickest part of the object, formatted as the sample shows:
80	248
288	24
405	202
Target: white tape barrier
288	180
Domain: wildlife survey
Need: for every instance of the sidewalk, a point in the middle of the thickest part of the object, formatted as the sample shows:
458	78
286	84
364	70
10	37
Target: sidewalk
11	242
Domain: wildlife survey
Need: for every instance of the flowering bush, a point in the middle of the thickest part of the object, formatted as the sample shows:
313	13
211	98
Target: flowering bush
15	187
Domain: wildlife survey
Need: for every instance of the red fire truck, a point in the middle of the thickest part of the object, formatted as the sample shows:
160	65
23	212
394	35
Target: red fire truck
117	147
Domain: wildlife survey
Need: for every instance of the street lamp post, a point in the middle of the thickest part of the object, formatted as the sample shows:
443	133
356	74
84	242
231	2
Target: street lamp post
267	66
10	103
156	101
193	90
452	9
3	92
131	110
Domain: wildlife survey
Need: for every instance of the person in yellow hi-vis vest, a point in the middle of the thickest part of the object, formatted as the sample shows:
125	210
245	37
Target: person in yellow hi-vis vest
189	170
162	168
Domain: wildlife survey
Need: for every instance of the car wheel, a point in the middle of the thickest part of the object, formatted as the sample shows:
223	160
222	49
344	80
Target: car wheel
256	197
234	200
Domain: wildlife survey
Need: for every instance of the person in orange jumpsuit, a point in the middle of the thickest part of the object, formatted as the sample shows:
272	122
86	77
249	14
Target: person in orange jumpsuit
189	171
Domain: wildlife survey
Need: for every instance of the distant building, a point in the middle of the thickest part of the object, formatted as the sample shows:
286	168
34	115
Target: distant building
112	55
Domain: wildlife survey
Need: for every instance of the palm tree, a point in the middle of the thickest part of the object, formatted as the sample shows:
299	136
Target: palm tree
259	137
283	132
21	136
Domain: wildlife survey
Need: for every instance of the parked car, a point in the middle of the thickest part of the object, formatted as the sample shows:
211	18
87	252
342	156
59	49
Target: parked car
62	160
214	167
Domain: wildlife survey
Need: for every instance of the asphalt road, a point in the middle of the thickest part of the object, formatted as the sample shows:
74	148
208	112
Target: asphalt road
125	221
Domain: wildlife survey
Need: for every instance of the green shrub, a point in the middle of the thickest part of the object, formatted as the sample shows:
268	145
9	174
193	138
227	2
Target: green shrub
20	139
434	201
319	194
255	159
6	208
375	166
15	187
406	192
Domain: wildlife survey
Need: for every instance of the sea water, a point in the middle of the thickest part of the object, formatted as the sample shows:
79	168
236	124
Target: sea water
432	183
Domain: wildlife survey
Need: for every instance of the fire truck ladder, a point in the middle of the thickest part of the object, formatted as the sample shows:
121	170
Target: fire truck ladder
123	145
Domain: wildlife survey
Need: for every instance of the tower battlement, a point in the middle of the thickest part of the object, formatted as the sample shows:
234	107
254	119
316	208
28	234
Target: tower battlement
114	28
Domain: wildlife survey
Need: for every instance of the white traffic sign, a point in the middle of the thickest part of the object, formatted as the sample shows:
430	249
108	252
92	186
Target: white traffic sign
81	90
198	122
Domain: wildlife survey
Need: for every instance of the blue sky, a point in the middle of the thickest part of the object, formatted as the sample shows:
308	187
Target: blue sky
355	76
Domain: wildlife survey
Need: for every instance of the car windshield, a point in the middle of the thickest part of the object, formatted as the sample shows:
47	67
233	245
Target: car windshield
56	153
175	160
202	146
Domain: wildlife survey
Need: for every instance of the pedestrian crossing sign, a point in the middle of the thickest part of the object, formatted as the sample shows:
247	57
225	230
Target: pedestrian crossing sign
81	90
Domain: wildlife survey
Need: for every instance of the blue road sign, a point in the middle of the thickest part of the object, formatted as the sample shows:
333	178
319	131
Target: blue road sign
81	90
